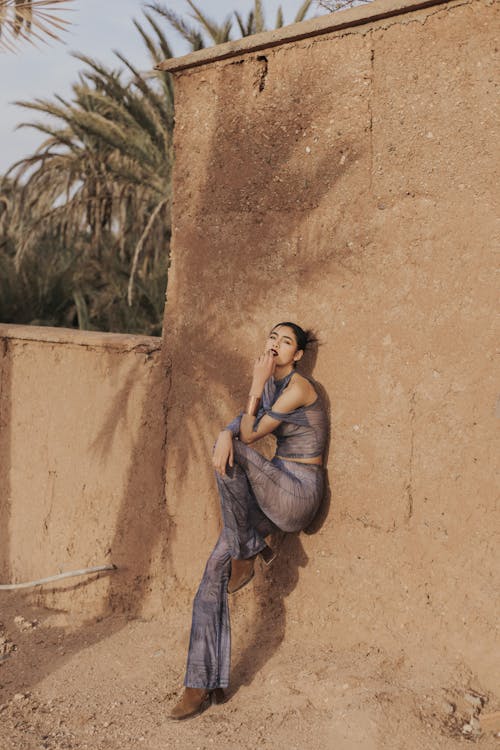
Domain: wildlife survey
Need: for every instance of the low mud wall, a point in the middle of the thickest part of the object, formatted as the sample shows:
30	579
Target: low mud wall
82	431
345	180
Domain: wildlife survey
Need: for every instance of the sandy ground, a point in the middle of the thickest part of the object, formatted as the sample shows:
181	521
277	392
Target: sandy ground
109	684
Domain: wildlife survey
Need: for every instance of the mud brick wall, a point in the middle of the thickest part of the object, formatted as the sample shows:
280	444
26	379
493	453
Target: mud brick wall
345	179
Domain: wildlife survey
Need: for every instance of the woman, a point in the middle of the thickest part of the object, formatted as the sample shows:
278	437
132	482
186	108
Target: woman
257	497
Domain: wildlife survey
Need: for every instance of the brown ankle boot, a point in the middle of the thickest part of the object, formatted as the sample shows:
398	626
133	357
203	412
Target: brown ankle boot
196	700
242	573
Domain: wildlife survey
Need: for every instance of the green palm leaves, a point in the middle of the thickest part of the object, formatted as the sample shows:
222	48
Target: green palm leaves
90	209
102	176
100	184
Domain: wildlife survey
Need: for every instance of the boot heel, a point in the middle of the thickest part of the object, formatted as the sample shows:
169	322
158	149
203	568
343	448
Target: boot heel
193	702
242	572
267	555
218	696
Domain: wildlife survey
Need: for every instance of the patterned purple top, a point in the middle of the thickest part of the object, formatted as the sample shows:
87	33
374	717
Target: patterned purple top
302	433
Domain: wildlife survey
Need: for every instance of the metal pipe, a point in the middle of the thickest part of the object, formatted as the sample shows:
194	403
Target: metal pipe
69	574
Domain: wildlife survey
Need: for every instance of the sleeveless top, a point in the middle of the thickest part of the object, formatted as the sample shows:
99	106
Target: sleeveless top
302	433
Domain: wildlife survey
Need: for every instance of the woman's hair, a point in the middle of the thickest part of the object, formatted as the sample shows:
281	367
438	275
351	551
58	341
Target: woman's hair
303	337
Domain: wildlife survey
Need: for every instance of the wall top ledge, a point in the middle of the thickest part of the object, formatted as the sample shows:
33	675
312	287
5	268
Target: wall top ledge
341	19
46	334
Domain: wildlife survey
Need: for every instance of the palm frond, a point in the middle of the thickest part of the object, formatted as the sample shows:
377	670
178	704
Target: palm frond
162	40
140	245
260	21
30	21
244	30
302	11
218	34
193	36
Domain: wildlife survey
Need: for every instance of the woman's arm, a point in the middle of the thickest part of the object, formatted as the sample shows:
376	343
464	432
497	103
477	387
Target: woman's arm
223	453
296	394
234	425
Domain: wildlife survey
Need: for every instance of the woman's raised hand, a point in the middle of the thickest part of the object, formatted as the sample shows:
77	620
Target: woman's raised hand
263	368
223	452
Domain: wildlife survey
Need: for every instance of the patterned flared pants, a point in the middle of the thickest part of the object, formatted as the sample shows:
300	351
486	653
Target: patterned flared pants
257	496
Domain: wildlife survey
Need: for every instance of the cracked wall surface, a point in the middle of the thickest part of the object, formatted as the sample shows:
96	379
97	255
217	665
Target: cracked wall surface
348	182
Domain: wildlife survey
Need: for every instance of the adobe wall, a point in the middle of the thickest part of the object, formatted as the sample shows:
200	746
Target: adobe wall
82	430
346	181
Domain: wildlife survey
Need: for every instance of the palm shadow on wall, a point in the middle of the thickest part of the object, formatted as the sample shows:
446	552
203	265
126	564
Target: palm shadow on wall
141	527
243	157
233	296
142	523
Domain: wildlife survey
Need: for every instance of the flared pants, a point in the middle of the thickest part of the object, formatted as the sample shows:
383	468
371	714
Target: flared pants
257	496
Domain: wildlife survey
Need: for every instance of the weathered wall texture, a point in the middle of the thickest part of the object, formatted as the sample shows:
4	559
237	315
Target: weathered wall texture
81	465
347	182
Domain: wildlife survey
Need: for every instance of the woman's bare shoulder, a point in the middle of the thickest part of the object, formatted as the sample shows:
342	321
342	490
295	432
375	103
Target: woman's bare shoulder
303	386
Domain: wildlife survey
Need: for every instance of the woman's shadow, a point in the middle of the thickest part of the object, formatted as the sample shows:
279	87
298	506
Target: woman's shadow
282	576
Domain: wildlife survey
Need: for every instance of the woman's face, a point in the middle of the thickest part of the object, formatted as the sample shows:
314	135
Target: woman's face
283	344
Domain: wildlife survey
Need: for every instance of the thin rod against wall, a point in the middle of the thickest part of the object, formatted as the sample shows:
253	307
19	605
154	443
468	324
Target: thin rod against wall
49	579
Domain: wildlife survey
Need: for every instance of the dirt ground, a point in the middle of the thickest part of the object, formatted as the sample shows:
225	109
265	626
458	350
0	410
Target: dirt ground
109	684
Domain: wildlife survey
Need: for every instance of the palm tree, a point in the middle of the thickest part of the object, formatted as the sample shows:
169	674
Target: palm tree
100	182
29	20
103	173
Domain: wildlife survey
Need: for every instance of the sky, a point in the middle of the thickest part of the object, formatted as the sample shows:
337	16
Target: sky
97	28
